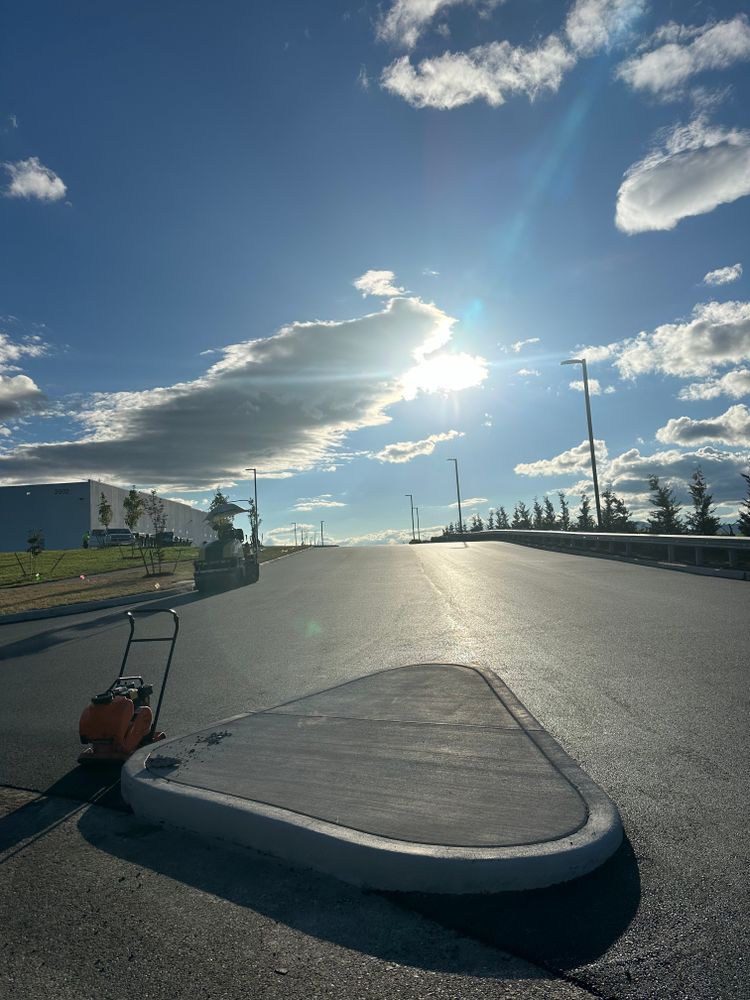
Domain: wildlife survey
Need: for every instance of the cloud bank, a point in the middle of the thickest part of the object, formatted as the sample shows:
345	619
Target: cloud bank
284	403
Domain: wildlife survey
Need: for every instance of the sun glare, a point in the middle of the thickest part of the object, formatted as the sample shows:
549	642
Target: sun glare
444	373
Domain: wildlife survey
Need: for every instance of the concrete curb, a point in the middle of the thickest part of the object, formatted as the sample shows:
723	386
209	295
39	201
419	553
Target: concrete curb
378	862
76	609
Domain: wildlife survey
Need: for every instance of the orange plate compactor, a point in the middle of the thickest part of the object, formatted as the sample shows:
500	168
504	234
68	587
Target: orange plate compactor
120	720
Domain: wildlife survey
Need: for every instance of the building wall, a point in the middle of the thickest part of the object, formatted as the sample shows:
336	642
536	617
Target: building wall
60	510
182	519
64	512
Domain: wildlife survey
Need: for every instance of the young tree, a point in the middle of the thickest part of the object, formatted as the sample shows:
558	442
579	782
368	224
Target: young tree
665	517
585	521
744	515
501	518
564	512
133	506
450	530
105	512
476	523
549	517
35	547
521	516
491	521
703	520
537	521
154	508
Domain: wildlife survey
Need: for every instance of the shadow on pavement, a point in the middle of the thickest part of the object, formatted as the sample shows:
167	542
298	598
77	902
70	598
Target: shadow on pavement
557	928
73	792
59	633
560	927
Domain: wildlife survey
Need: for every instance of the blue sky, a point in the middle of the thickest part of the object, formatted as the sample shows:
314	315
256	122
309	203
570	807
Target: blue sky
342	244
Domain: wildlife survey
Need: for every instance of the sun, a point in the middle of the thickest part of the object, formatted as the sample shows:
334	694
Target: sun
444	373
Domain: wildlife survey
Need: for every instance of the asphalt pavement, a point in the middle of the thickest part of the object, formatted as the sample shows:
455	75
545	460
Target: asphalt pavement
640	674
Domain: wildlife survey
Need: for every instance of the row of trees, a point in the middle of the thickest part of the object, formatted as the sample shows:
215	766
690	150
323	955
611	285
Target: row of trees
665	518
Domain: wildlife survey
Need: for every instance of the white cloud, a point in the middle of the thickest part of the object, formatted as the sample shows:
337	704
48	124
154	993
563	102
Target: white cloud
31	179
286	403
472	502
735	384
489	72
313	503
389	536
717	334
574	460
405	451
731	427
629	471
595	388
678	53
602	353
697	167
723	275
595	24
497	70
405	20
519	344
12	350
19	395
528	372
378	283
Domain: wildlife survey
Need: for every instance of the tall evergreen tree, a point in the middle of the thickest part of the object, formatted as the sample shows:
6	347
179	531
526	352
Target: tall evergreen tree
537	521
476	523
623	520
585	521
501	518
521	516
549	517
665	517
703	520
564	512
744	514
491	521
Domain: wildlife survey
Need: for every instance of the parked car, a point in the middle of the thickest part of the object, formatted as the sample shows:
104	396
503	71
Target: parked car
100	538
120	536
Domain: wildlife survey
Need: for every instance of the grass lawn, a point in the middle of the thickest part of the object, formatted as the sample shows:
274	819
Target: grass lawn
92	575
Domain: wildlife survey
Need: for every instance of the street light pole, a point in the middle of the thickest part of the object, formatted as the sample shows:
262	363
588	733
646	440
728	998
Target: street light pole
458	497
419	533
322	542
294	525
582	362
411	504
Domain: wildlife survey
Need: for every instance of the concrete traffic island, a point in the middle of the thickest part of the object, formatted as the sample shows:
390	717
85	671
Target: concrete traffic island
430	778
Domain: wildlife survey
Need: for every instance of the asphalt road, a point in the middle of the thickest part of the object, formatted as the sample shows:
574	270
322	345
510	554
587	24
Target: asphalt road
639	673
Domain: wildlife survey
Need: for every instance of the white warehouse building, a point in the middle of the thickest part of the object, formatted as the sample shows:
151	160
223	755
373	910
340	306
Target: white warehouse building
64	512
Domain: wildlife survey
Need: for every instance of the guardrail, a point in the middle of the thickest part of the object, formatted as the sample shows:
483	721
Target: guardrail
697	550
